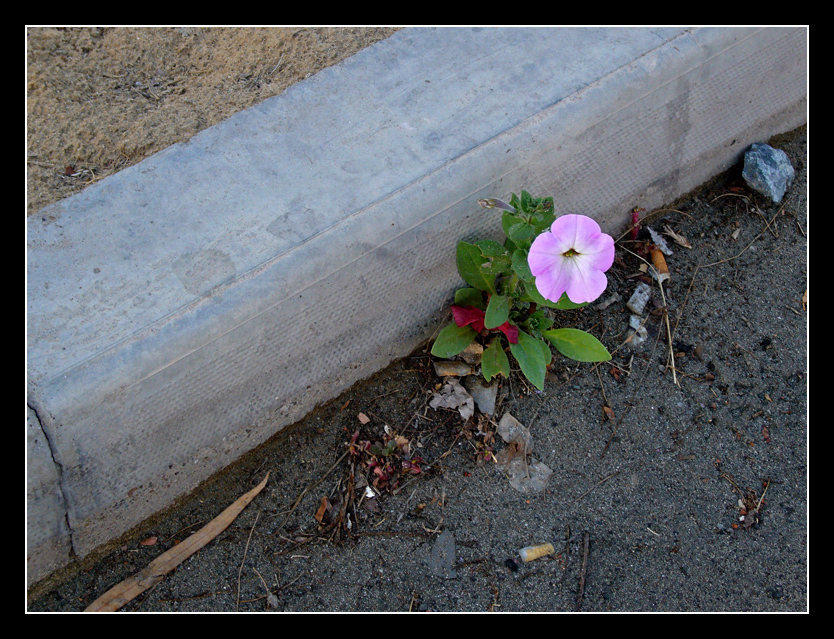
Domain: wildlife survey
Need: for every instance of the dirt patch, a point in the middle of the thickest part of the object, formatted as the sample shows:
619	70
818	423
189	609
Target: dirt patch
684	493
102	99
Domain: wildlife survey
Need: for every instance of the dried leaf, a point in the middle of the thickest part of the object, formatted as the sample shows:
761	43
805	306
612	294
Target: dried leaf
132	587
371	505
323	508
150	541
659	241
608	413
454	396
679	239
403	444
363	418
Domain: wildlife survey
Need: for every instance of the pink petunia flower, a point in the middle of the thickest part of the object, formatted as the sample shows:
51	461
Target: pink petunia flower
572	258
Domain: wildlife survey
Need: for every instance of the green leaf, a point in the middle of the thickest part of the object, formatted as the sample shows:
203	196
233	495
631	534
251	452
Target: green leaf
564	303
543	222
496	266
452	340
490	248
494	360
521	266
577	345
527	204
546	353
521	234
508	220
470	262
530	356
531	294
497	311
539	322
470	297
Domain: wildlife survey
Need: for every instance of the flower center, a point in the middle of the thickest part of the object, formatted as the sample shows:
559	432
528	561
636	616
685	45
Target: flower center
570	253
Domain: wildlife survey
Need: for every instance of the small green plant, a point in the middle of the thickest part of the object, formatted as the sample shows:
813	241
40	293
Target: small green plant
545	262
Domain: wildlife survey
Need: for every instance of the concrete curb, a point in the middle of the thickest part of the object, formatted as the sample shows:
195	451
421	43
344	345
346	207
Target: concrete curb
184	310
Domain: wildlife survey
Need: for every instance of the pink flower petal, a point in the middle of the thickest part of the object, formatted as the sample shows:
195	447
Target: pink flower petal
572	258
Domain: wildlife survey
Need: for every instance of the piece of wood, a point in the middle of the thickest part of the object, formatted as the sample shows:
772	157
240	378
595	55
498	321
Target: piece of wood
129	589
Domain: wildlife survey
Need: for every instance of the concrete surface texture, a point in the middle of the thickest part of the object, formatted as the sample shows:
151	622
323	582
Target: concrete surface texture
186	309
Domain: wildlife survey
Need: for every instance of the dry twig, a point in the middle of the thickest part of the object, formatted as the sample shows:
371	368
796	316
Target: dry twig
129	589
729	259
242	561
585	543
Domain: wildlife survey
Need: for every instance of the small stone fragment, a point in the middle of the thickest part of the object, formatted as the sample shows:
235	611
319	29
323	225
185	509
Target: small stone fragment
768	171
472	354
513	431
448	368
637	301
442	561
484	394
611	299
638	334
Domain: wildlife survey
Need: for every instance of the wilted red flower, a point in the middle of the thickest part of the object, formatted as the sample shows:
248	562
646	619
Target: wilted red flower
469	315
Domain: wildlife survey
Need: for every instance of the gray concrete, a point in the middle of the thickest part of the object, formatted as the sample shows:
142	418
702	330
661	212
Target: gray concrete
186	309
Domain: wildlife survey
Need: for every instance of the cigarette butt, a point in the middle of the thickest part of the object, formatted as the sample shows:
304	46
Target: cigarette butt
529	553
660	265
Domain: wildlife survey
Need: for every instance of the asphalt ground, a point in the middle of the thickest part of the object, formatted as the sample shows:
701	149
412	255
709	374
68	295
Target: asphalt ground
669	492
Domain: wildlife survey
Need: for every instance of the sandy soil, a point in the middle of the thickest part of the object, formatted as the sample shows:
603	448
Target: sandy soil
686	494
102	99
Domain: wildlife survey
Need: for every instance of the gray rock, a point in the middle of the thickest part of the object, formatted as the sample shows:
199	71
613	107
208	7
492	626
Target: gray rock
484	394
768	171
637	301
442	561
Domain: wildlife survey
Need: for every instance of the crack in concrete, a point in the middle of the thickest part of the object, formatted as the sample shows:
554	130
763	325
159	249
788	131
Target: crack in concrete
59	469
